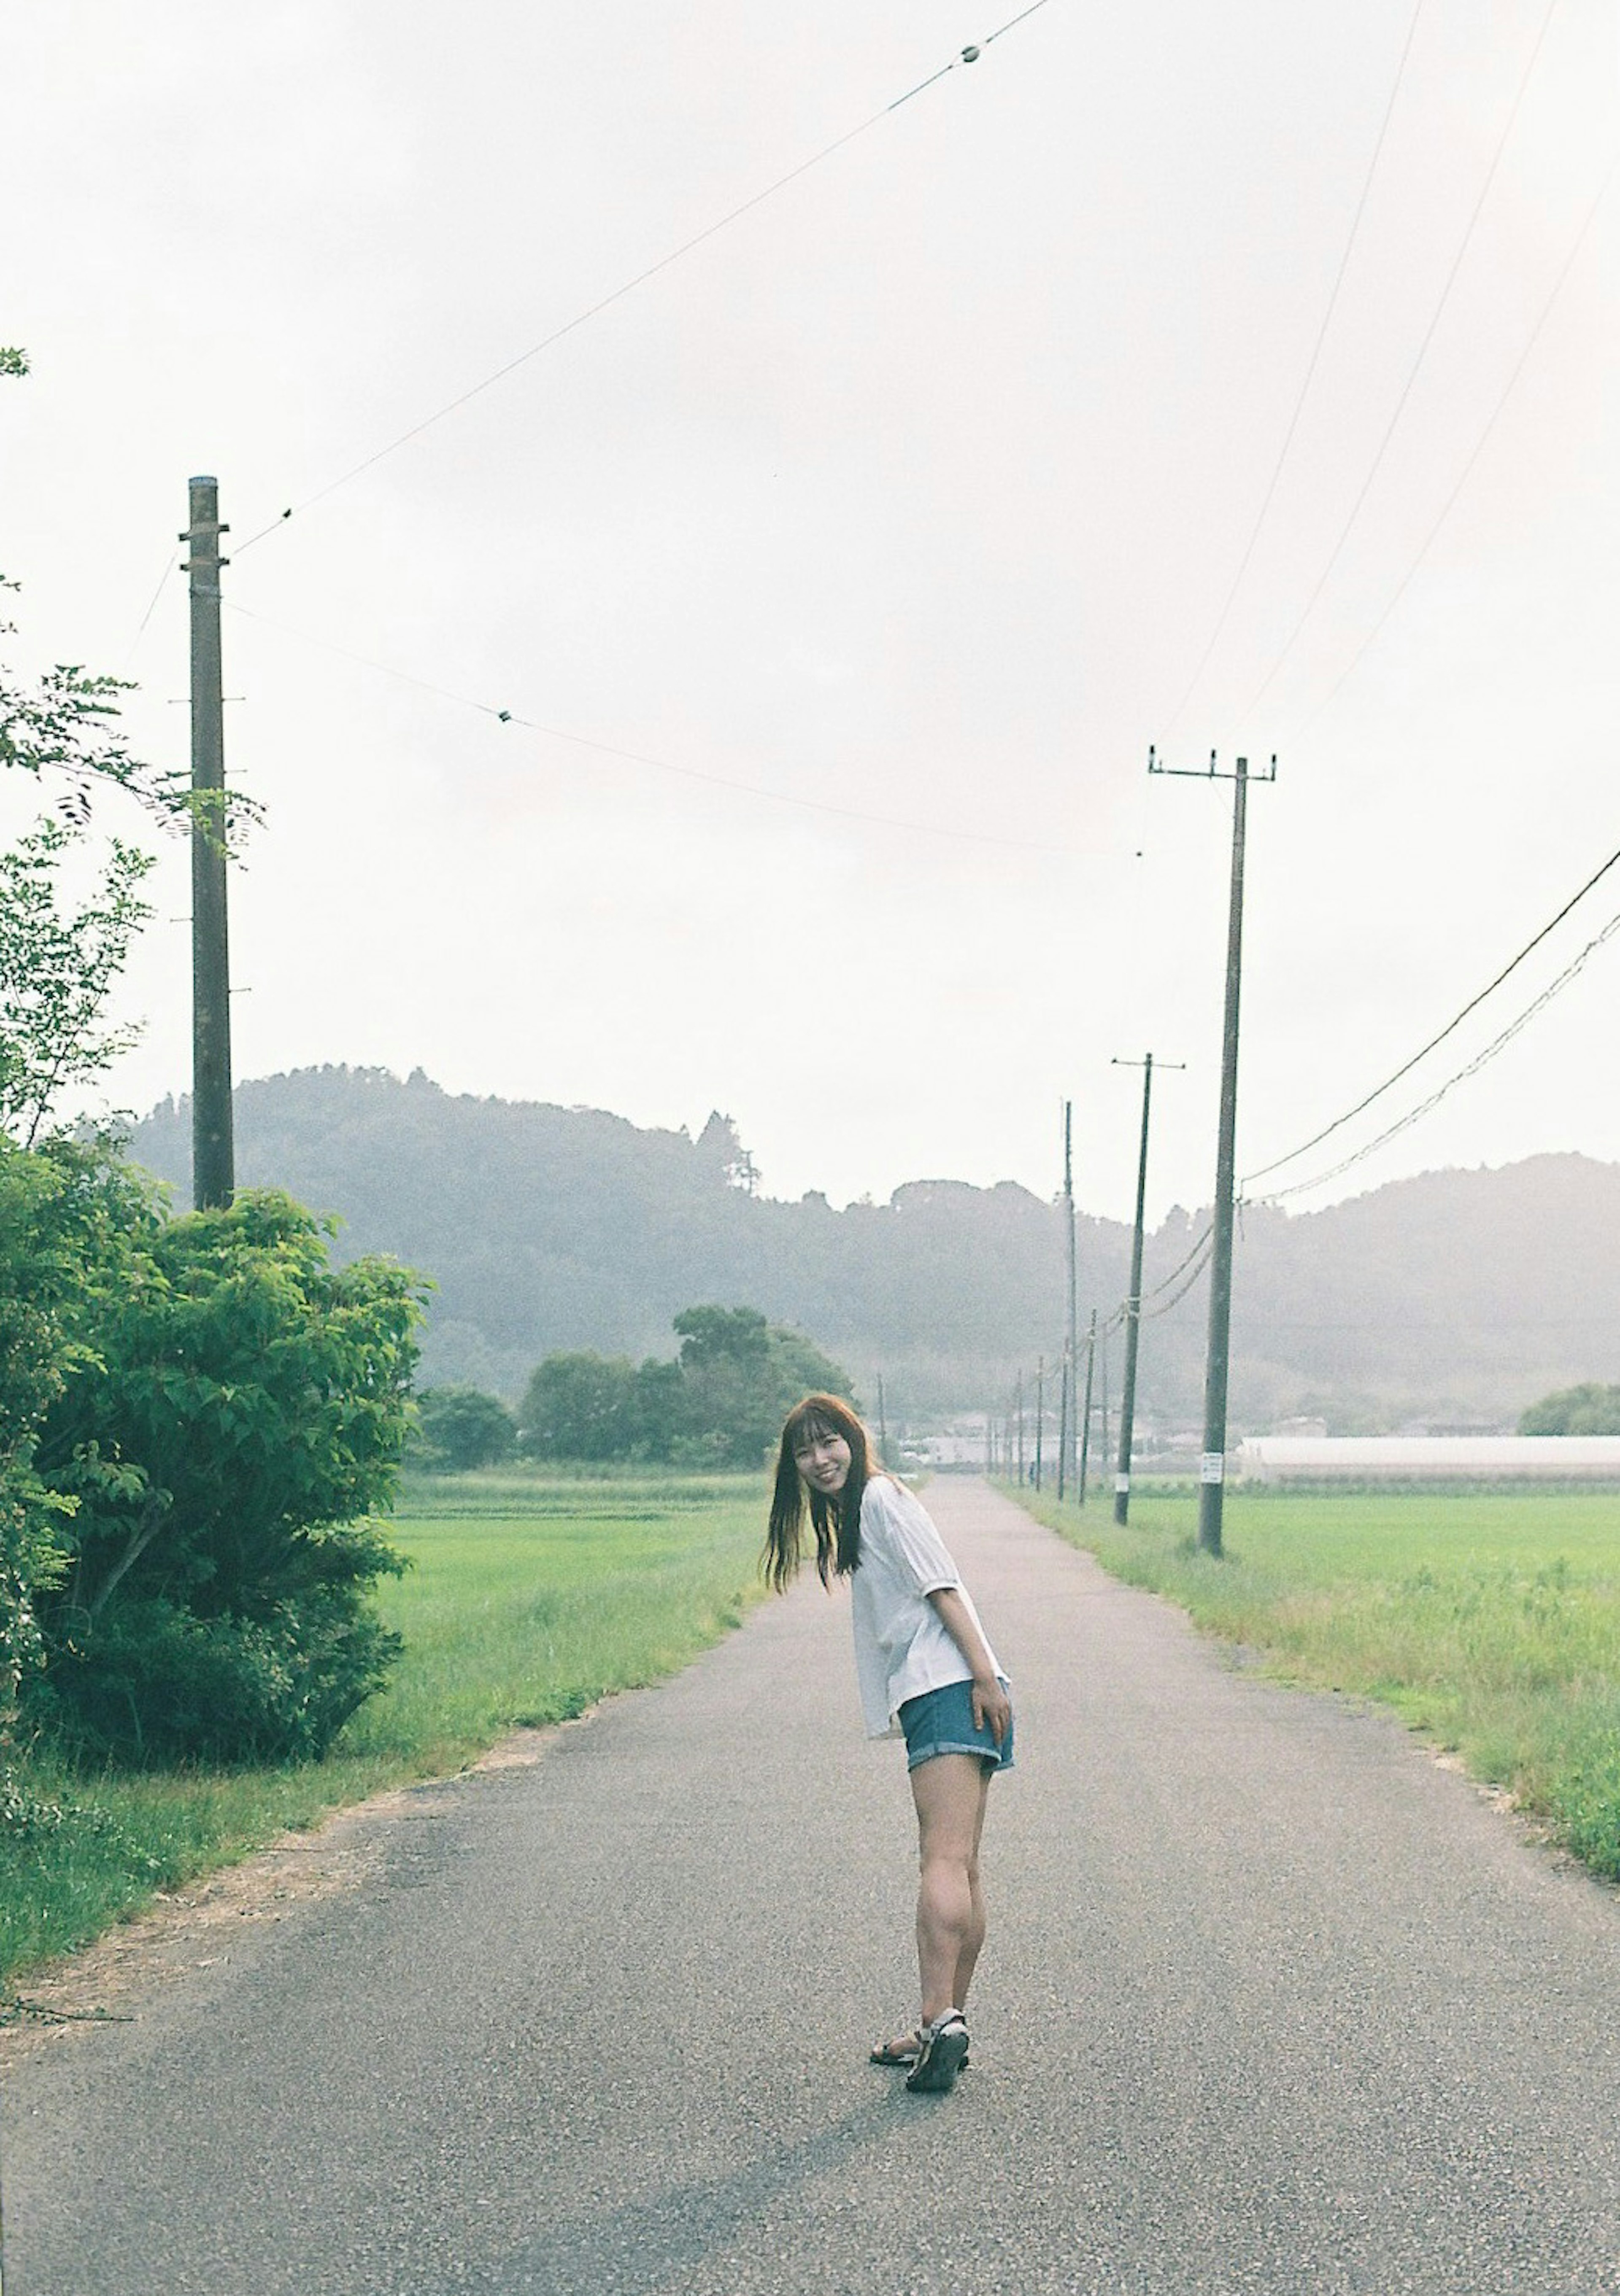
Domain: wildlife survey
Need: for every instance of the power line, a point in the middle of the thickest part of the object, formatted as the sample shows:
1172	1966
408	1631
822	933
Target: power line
1304	388
1450	1028
1205	1233
172	560
967	55
1430	333
668	764
1479	446
1497	1045
1176	1297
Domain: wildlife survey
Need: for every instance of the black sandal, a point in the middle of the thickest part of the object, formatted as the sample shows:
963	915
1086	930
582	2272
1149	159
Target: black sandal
943	2054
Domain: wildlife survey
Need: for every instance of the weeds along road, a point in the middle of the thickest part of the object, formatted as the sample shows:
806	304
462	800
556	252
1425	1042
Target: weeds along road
1272	2004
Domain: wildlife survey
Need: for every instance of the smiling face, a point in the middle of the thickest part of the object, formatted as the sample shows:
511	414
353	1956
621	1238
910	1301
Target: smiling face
823	1458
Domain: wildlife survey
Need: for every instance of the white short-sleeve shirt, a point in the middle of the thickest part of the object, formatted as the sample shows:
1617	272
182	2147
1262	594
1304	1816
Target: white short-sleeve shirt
902	1647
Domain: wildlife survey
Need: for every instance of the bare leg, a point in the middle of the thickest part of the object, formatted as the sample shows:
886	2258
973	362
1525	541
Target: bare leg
967	1957
950	1792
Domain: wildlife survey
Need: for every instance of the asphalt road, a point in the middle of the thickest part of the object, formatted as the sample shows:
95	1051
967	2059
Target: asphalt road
1273	2002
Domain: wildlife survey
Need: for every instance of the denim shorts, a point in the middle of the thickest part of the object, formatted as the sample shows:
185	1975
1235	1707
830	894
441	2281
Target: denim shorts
940	1722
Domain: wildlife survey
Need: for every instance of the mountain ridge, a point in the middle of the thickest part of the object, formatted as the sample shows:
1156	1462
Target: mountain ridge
1458	1295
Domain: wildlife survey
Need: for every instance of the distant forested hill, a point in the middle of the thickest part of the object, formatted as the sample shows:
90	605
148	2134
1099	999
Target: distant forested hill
1455	1296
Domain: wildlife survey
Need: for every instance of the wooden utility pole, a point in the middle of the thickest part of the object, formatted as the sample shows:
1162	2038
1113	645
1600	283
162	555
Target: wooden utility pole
1133	1304
213	1144
1211	1467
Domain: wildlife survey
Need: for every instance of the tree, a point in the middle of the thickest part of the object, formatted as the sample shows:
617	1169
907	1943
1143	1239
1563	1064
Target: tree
462	1427
61	727
721	1145
580	1406
57	969
720	1404
225	1435
740	1376
62	1214
1587	1410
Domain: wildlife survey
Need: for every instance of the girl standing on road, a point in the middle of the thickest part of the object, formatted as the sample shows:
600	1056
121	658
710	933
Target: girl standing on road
925	1671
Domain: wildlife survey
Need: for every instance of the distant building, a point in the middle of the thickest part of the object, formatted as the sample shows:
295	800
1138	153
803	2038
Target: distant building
1300	1460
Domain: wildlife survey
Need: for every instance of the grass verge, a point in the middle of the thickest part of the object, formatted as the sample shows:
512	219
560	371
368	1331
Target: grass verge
1490	1621
529	1598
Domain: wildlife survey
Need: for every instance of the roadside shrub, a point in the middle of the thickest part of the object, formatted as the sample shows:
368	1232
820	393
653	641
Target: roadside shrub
152	1683
65	1216
234	1416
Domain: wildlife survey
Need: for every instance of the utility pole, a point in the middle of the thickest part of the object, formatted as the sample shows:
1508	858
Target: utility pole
1133	1304
1102	1385
1085	1439
1073	1333
1063	1420
1018	1407
1211	1467
213	1146
882	1424
1039	1412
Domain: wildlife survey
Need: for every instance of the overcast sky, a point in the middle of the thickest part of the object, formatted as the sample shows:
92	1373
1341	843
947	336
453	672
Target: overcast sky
910	501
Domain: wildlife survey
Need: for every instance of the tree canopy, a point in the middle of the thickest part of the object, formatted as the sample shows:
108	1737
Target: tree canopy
1588	1409
461	1427
720	1404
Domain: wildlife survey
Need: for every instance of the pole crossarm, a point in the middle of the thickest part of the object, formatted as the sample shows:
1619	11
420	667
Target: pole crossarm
1210	773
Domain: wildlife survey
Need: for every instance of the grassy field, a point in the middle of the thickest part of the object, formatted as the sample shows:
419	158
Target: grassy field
1490	1621
529	1598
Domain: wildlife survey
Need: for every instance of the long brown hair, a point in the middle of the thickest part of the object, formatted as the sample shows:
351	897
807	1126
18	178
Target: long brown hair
834	1515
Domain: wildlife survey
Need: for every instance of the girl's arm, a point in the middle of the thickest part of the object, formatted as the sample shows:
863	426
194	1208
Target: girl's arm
990	1702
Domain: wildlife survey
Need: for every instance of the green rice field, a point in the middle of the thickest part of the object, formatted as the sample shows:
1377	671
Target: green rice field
529	1598
1490	1621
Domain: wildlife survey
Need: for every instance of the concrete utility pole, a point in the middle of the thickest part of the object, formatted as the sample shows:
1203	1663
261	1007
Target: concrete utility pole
1102	1391
213	1144
1211	1467
1085	1439
1133	1304
1039	1412
1073	1329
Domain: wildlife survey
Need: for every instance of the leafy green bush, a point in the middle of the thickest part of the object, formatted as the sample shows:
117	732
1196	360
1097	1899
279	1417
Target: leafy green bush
64	1211
152	1682
234	1414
